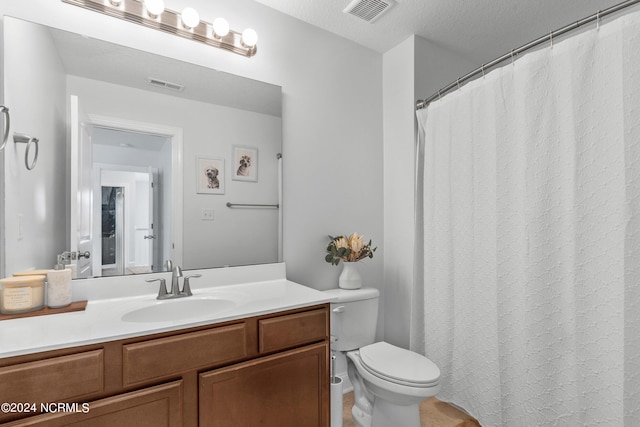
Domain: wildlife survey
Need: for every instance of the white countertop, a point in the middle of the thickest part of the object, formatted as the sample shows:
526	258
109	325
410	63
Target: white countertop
102	319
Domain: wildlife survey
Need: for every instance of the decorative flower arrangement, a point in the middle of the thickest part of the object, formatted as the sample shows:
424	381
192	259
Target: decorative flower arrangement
348	249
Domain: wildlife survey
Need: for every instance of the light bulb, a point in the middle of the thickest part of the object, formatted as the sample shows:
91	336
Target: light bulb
220	27
154	7
190	17
249	37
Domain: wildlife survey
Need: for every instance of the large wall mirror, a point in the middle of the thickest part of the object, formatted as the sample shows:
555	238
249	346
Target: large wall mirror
141	159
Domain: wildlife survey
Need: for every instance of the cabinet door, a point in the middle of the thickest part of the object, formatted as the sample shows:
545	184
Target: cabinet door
150	407
284	389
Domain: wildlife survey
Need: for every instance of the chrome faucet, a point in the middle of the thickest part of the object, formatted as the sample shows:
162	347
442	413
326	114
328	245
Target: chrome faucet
175	284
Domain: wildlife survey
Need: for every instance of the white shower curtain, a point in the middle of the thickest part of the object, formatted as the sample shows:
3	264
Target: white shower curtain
531	192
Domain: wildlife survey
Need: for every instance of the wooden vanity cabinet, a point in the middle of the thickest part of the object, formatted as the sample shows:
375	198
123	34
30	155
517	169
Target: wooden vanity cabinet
150	407
270	370
283	389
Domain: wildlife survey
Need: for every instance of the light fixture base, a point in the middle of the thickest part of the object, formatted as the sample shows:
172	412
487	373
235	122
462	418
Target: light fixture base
170	22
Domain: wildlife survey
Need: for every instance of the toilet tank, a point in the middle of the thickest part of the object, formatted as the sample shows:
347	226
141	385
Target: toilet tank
354	316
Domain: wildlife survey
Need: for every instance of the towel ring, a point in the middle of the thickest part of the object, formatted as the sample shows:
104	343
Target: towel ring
30	141
7	123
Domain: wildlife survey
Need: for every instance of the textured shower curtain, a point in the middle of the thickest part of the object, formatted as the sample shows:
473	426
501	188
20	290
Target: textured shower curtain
531	193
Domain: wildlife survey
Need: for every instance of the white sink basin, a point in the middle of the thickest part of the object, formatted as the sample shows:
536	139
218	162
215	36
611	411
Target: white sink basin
179	309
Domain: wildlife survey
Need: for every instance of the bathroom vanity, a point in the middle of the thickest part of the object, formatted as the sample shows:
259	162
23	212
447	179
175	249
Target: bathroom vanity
263	361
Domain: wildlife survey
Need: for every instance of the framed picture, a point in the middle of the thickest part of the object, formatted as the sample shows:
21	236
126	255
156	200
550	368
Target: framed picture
245	163
209	175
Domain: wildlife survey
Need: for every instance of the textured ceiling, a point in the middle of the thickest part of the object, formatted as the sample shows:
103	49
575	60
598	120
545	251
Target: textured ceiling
479	30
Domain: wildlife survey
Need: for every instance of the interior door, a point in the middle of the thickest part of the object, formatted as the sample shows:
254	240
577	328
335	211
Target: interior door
80	189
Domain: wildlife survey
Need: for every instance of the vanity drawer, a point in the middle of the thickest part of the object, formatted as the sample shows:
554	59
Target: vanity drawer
291	330
58	379
169	356
154	406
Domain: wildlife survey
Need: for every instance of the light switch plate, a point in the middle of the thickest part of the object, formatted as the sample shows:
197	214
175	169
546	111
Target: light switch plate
207	214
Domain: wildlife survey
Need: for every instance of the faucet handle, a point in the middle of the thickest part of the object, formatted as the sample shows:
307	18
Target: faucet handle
186	288
162	292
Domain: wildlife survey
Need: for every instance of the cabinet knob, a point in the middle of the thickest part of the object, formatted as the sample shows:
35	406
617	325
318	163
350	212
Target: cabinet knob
338	309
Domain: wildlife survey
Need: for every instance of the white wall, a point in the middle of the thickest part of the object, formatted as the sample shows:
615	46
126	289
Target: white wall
398	78
332	109
413	70
33	233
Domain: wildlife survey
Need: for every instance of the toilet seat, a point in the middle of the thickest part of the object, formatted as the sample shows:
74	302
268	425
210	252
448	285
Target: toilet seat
399	366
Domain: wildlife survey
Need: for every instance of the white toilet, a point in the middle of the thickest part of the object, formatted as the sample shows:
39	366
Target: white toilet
388	382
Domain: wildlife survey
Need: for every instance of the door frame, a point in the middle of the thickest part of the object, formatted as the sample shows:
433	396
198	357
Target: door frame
175	136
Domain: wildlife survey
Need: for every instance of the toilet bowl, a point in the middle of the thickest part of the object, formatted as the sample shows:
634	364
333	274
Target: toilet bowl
389	382
397	384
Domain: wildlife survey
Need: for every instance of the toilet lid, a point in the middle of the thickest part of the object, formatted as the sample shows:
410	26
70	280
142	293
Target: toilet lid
398	365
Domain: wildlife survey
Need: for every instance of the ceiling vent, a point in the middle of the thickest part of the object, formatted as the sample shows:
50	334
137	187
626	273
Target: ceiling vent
369	10
165	84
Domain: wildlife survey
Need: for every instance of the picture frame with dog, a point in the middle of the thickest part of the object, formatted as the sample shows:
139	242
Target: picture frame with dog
245	163
210	175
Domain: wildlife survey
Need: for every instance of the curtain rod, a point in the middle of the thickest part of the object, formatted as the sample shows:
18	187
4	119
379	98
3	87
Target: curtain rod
422	103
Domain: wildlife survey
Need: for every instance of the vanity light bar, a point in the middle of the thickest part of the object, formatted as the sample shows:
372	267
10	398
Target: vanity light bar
169	22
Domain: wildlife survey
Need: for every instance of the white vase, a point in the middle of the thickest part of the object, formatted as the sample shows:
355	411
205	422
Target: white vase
350	276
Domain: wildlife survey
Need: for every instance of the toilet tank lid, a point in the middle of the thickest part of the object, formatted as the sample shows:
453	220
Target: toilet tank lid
348	295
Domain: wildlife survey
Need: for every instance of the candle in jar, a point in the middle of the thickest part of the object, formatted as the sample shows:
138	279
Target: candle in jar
21	294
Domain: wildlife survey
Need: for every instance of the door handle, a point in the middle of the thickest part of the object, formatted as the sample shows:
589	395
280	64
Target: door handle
150	236
76	255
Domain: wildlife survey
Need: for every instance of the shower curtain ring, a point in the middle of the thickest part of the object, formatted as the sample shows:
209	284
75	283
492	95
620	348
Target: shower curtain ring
483	71
458	81
598	20
439	94
512	62
551	38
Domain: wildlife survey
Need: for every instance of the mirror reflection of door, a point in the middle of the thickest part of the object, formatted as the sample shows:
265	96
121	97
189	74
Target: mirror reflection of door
132	173
127	222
